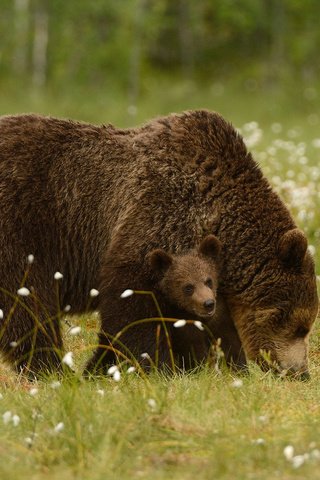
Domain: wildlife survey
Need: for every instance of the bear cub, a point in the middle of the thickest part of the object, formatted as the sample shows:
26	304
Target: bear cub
189	283
189	280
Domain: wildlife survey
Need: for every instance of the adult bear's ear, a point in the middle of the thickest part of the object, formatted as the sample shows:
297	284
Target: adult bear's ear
292	247
159	260
210	246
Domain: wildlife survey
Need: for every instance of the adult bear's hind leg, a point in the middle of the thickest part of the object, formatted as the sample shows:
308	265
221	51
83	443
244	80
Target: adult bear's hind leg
31	342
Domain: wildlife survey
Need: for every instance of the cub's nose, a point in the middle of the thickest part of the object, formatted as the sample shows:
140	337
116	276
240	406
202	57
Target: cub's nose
209	304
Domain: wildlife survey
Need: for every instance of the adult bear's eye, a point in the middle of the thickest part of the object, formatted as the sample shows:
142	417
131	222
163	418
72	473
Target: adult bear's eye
209	282
188	289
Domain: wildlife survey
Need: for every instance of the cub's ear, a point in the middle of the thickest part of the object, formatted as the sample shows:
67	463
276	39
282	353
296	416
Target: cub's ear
210	246
159	260
292	247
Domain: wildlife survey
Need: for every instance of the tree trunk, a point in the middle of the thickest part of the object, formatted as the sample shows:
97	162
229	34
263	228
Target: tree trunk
186	38
136	56
40	44
21	29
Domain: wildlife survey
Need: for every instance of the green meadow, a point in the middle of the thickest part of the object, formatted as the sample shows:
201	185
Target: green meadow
210	423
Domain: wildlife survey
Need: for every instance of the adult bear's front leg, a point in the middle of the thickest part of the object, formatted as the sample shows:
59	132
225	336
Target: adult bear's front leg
222	326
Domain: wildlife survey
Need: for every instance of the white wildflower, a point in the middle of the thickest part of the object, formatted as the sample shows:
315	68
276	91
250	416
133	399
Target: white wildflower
271	151
112	369
237	383
13	344
152	403
298	460
252	135
7	416
259	441
59	427
263	418
312	249
23	292
28	441
55	384
94	292
303	161
74	330
1	314
116	376
68	359
58	276
100	392
288	452
127	293
179	323
315	453
145	355
33	391
199	325
35	414
15	420
30	259
67	308
131	369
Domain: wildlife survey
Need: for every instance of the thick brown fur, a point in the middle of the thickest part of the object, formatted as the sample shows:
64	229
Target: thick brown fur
189	283
190	280
91	201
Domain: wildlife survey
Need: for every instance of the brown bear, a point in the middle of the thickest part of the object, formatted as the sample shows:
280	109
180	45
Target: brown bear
189	280
91	201
189	284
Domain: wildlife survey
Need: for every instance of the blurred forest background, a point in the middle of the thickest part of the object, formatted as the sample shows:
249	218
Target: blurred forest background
137	58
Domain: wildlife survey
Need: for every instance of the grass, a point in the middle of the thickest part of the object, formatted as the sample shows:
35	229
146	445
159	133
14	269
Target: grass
199	424
162	427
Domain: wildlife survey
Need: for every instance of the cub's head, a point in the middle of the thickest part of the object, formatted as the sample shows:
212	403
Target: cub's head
189	280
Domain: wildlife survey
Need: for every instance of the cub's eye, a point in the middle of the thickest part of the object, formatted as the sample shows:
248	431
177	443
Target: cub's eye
301	332
188	289
209	282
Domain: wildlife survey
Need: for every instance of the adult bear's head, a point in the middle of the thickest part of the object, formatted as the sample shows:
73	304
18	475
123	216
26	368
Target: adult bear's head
275	316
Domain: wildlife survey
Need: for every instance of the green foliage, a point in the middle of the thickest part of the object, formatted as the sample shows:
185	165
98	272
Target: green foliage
95	42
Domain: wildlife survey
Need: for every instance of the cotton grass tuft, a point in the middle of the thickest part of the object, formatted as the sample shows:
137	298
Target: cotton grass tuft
68	359
93	292
180	323
127	293
23	292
